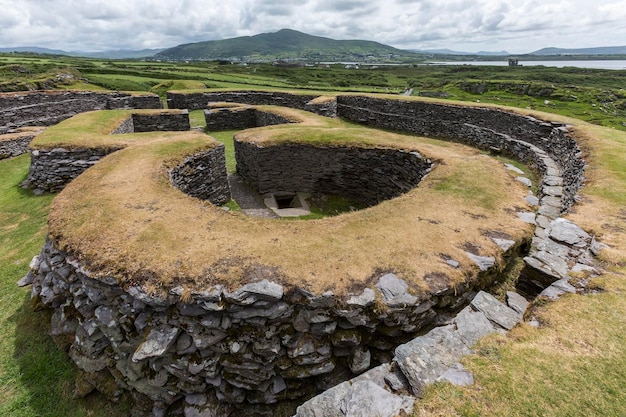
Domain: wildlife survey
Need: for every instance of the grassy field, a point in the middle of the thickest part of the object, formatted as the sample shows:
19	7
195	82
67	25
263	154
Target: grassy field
593	95
36	378
574	364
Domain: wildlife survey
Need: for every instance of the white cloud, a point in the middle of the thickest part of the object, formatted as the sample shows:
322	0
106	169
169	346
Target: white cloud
472	25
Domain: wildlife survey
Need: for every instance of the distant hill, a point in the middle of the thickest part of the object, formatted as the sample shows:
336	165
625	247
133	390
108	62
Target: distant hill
284	44
452	52
121	53
114	54
604	50
34	49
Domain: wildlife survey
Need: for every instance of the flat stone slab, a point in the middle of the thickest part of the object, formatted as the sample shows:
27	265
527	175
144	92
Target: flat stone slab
457	375
472	325
513	168
495	311
365	399
484	262
156	343
425	358
557	289
504	244
516	302
250	293
395	291
327	404
527	217
563	230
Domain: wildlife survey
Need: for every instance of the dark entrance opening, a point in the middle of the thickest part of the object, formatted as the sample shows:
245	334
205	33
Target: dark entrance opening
285	201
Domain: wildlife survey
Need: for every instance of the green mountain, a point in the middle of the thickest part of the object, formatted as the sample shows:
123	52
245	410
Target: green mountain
284	44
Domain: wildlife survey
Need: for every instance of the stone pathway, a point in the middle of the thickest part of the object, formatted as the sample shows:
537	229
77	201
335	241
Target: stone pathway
250	201
390	389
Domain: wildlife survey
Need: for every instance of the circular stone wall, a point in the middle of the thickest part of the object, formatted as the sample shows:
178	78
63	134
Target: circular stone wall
183	303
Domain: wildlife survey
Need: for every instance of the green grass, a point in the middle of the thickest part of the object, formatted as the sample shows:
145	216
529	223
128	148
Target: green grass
226	137
35	376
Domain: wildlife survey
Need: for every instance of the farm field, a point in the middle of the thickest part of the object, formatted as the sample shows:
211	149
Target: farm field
573	364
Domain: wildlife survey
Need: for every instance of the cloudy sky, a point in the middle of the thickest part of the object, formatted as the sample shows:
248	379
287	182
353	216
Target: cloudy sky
517	26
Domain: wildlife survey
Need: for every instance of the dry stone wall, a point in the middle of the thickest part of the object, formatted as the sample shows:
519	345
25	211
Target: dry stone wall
225	351
45	108
241	118
51	170
368	176
484	128
15	144
203	175
199	101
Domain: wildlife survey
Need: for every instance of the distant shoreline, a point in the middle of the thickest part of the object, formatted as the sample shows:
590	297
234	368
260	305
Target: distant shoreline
592	64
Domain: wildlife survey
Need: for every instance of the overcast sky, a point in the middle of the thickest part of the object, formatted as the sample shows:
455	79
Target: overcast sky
516	26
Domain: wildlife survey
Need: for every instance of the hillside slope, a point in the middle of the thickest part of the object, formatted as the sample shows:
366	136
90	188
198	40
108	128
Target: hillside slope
284	44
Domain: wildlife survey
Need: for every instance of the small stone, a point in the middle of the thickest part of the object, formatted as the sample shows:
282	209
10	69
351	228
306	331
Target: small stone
557	289
495	311
516	302
156	344
484	262
26	280
397	381
513	168
532	200
366	299
527	217
253	292
596	247
454	264
565	231
394	291
505	244
457	375
525	181
360	360
582	268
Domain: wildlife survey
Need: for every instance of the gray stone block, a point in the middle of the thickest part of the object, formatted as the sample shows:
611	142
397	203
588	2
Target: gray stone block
472	325
495	311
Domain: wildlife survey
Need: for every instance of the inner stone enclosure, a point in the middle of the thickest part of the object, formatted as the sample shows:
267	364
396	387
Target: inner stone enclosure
231	350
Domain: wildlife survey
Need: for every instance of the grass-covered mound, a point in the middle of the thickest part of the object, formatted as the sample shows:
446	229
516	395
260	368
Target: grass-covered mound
123	218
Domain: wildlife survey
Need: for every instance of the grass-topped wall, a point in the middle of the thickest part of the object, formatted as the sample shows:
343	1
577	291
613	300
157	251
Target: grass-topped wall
170	296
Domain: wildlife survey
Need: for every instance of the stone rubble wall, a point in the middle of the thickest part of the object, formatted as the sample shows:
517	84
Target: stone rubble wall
199	101
161	122
46	108
204	176
16	145
241	349
51	170
241	118
368	176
